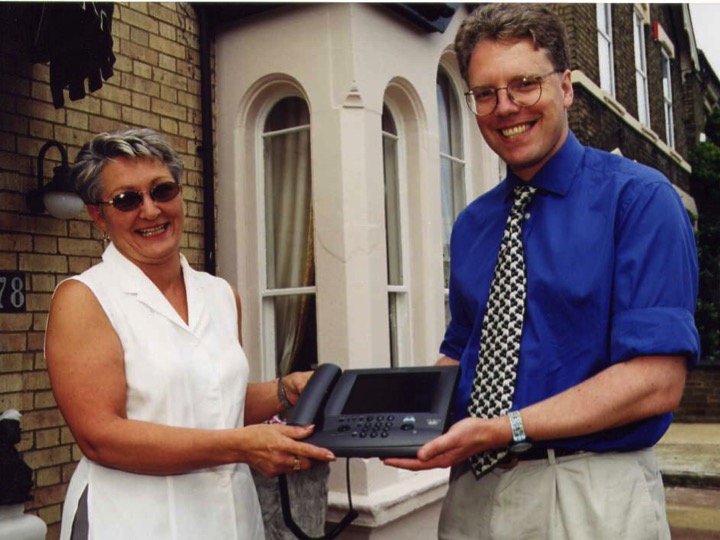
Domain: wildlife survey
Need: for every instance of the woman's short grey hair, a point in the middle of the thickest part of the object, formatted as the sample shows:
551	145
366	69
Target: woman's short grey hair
508	22
105	147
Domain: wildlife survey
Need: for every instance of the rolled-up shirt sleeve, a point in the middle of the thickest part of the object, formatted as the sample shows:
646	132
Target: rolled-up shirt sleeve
656	277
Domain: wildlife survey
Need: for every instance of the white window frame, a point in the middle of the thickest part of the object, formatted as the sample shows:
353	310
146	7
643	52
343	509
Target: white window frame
606	60
641	76
453	160
268	295
666	60
401	292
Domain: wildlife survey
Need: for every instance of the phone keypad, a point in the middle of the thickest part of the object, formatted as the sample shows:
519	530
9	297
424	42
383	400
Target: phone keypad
372	426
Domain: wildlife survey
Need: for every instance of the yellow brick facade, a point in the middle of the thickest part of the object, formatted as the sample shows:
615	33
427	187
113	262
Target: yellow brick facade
155	84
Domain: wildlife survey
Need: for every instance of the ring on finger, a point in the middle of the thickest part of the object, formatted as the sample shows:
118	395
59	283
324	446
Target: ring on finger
296	464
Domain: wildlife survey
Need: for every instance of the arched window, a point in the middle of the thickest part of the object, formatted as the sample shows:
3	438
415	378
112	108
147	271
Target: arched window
395	219
452	166
288	294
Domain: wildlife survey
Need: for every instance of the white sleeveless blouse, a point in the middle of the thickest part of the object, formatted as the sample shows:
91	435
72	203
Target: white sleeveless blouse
191	375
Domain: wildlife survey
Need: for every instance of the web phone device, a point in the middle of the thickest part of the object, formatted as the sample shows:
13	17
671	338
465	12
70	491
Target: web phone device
382	412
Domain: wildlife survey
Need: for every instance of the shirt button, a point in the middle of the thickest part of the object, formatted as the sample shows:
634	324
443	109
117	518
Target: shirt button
527	215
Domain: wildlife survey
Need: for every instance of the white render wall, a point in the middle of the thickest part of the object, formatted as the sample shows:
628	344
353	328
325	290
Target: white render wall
344	60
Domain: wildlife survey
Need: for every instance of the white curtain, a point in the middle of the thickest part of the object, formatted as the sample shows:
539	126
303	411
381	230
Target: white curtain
288	211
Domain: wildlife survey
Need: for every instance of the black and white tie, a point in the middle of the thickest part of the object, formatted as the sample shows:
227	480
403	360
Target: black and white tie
494	383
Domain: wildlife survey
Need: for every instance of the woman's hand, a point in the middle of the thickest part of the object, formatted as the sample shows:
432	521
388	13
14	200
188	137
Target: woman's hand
295	383
275	449
264	400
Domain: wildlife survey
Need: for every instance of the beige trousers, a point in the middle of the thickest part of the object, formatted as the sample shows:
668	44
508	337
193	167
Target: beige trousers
614	496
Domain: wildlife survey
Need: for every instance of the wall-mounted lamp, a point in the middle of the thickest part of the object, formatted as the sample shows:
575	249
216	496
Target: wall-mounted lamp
58	196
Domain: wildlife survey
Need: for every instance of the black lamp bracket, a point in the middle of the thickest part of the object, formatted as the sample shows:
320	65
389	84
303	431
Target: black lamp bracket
59	182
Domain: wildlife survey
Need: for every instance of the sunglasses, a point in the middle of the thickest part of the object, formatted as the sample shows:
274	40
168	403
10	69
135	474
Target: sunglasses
128	201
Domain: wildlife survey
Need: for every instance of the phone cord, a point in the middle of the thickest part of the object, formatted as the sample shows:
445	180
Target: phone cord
296	530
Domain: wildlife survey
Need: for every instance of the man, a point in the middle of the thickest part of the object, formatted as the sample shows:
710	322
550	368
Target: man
607	331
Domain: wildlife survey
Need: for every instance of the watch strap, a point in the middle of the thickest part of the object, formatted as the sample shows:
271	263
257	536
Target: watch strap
516	424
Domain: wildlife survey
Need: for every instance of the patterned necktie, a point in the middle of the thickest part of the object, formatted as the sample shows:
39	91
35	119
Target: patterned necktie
494	383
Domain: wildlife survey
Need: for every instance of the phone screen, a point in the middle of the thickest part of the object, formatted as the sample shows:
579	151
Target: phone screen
374	393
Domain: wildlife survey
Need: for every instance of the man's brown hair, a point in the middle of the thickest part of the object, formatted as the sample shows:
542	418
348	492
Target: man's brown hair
509	22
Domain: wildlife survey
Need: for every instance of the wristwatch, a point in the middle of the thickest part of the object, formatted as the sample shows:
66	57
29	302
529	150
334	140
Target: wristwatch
520	441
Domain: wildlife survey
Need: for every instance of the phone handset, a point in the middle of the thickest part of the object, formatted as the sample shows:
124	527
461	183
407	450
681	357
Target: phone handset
309	407
308	410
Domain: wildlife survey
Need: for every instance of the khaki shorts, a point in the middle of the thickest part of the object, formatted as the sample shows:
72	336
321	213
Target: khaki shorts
613	496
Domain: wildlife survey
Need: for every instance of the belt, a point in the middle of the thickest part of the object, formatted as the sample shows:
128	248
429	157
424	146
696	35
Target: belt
534	454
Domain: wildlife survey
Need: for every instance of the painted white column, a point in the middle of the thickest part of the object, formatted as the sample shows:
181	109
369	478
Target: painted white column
348	199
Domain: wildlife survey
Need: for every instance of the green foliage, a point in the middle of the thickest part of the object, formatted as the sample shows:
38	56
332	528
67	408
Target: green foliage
705	189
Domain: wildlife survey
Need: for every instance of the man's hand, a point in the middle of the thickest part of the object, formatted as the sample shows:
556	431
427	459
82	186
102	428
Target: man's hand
464	439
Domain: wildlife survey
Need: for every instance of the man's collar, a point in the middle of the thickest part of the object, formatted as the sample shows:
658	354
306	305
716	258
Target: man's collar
558	174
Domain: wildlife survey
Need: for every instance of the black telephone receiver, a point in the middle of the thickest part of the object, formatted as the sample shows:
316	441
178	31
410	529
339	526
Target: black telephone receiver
310	406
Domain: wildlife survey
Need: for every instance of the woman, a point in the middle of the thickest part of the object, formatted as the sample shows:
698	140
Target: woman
146	365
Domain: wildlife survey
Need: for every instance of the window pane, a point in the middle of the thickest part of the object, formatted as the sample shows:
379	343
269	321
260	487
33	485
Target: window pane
287	113
288	219
453	201
452	165
392	212
295	332
449	118
605	48
639	38
388	122
642	101
448	316
290	325
393	317
668	99
641	69
602	18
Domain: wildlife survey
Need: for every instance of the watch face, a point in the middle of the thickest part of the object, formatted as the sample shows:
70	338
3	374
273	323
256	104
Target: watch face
520	447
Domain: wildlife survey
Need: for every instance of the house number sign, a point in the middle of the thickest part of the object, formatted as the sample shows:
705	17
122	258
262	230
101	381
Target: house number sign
12	292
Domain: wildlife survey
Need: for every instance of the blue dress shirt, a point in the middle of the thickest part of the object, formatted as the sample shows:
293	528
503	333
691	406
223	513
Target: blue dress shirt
612	274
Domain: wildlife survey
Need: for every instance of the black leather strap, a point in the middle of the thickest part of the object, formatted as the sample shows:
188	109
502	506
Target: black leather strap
536	452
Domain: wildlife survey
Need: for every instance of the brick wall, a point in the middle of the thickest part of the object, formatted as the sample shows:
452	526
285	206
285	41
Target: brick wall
155	84
589	121
592	120
701	400
581	27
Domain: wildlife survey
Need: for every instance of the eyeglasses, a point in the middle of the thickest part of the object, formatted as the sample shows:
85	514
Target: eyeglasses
128	201
523	92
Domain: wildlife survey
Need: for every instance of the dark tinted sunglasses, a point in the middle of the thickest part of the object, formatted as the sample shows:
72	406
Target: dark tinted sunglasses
131	200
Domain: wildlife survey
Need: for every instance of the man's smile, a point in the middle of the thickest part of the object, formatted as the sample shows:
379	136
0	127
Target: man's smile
514	131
